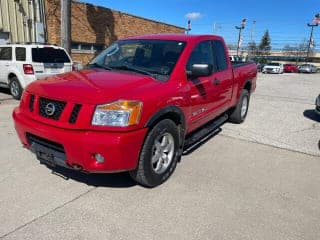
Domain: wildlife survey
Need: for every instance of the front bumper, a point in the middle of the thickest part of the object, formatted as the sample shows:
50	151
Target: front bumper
271	70
77	148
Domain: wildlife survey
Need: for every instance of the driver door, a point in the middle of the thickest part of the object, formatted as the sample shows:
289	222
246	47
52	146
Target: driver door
203	94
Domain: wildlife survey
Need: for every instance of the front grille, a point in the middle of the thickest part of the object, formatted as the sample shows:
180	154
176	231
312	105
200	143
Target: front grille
51	108
31	103
74	113
44	142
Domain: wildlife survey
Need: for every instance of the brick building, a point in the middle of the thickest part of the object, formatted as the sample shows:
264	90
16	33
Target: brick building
93	27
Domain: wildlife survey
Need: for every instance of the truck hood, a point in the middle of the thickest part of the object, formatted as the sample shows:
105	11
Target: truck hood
93	86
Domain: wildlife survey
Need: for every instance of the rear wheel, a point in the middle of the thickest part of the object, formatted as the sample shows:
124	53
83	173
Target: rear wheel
159	155
239	114
15	88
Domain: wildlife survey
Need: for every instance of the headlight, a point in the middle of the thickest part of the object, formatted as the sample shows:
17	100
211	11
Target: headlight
121	113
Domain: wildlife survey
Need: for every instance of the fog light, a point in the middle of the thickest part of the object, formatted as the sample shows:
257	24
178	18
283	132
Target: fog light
99	158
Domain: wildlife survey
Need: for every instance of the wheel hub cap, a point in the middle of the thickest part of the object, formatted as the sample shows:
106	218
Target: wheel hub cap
14	89
244	107
163	151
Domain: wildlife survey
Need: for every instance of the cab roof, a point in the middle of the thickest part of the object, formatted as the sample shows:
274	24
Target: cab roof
175	37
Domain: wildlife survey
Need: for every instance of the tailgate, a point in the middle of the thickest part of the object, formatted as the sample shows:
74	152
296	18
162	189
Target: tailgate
43	70
48	61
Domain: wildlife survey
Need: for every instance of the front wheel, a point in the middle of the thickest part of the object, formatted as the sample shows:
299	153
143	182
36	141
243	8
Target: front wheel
159	155
15	88
239	114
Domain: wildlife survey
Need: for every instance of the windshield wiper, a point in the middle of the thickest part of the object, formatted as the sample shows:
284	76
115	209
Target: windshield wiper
99	66
137	70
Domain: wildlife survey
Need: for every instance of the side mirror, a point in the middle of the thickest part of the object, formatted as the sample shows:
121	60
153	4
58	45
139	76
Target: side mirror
200	70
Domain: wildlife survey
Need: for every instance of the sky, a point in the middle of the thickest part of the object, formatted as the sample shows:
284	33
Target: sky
285	20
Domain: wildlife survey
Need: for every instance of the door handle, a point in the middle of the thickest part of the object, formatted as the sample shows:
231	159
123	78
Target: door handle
216	82
7	65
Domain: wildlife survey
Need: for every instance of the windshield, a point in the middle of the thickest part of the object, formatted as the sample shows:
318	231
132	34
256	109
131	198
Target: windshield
274	64
150	57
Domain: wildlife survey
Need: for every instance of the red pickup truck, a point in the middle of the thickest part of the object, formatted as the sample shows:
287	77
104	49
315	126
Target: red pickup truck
137	106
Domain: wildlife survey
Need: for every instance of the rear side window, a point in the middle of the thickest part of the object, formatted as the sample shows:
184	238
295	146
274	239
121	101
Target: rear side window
220	55
49	55
20	54
5	53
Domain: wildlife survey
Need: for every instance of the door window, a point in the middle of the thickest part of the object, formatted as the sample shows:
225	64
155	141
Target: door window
201	54
6	53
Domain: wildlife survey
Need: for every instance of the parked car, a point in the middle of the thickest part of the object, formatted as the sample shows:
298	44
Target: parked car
273	68
138	106
318	105
236	59
260	66
290	68
21	64
307	68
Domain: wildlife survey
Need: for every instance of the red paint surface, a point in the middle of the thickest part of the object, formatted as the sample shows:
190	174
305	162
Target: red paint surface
121	145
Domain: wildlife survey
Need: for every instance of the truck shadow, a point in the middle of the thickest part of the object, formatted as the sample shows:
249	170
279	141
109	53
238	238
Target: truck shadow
311	114
5	90
112	180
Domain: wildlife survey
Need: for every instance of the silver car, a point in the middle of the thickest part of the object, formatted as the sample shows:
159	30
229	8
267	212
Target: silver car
307	68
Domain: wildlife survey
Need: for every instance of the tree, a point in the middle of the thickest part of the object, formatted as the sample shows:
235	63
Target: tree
252	48
265	44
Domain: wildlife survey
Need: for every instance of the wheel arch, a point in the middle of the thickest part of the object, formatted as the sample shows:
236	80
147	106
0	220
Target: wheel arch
16	74
247	85
173	113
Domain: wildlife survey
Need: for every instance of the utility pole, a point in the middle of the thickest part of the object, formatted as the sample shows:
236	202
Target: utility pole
252	30
188	29
243	22
66	25
311	38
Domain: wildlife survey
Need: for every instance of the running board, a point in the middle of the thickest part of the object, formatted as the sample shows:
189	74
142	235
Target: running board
195	139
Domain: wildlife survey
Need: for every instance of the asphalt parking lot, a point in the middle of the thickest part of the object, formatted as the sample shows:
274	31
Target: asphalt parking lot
257	180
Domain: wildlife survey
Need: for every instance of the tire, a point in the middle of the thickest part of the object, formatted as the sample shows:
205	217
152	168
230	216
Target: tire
239	113
15	88
159	155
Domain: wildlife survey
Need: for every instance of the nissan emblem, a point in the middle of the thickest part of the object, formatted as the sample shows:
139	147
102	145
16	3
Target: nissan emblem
50	109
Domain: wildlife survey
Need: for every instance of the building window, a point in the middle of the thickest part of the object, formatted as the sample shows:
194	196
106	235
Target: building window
93	48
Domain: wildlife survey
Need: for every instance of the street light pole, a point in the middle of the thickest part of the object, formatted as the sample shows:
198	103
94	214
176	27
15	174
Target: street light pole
310	39
252	30
239	37
243	22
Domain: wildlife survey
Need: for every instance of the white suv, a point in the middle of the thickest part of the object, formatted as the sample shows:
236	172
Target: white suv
273	68
21	64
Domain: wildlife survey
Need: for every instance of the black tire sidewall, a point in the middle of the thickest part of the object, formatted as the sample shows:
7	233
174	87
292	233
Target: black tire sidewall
235	116
150	176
